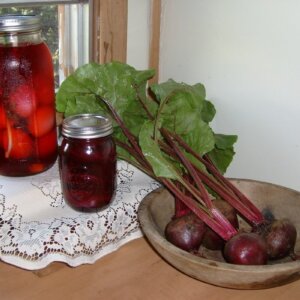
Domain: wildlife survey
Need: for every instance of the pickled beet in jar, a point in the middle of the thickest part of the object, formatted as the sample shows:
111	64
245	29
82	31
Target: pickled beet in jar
28	139
87	162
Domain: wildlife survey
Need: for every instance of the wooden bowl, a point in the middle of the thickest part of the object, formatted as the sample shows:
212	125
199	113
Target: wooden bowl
157	208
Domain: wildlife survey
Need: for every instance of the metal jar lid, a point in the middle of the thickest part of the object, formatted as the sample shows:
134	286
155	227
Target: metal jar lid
86	126
19	23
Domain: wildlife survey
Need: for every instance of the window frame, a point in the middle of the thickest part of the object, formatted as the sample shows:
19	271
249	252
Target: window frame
108	21
73	41
107	26
38	2
109	30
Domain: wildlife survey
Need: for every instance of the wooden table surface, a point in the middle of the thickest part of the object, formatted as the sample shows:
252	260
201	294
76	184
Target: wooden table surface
135	271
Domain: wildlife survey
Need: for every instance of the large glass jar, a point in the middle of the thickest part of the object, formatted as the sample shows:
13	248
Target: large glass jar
28	139
87	162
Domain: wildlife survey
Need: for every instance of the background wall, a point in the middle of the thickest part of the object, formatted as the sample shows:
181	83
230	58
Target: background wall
247	54
138	33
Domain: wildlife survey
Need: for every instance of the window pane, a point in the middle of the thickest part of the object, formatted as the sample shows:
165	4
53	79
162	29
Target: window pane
37	2
60	30
74	37
49	21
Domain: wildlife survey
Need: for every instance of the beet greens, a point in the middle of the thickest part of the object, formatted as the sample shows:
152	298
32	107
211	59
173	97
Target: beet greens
164	131
143	123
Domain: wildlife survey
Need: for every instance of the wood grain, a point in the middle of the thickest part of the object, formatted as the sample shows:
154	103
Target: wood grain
109	25
135	271
155	39
157	209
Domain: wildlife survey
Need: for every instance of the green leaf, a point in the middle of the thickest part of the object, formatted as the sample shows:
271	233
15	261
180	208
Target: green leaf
118	83
180	107
163	90
161	165
222	158
208	111
94	106
181	111
67	92
115	82
200	137
223	153
225	141
200	90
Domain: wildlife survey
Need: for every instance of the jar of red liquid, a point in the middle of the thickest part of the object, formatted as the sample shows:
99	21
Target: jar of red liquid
87	162
28	139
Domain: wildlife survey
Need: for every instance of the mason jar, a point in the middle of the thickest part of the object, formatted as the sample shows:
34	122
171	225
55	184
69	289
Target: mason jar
28	138
87	162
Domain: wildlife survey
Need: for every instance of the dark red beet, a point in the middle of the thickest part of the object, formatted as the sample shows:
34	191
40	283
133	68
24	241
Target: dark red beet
246	249
185	232
280	236
211	239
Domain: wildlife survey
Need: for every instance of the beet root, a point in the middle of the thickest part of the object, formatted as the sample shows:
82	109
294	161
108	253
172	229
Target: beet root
246	249
281	237
185	232
212	240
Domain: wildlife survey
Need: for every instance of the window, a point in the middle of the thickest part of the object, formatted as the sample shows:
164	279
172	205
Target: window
65	28
88	30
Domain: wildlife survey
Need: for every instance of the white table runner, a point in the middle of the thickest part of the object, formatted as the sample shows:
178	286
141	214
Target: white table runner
37	227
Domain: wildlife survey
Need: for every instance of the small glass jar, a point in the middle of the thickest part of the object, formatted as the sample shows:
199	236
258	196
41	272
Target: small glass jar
87	162
28	137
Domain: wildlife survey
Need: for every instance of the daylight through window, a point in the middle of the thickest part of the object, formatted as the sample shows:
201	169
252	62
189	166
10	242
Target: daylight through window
65	29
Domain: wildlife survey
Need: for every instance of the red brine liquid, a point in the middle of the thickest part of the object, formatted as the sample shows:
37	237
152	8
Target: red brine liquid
28	139
88	172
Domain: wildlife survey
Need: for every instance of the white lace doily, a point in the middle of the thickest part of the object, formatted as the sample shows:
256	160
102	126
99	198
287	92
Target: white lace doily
37	227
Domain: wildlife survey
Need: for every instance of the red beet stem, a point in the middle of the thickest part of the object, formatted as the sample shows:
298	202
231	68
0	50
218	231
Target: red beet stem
222	190
231	199
217	215
236	191
214	219
240	202
131	138
203	192
220	225
180	208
